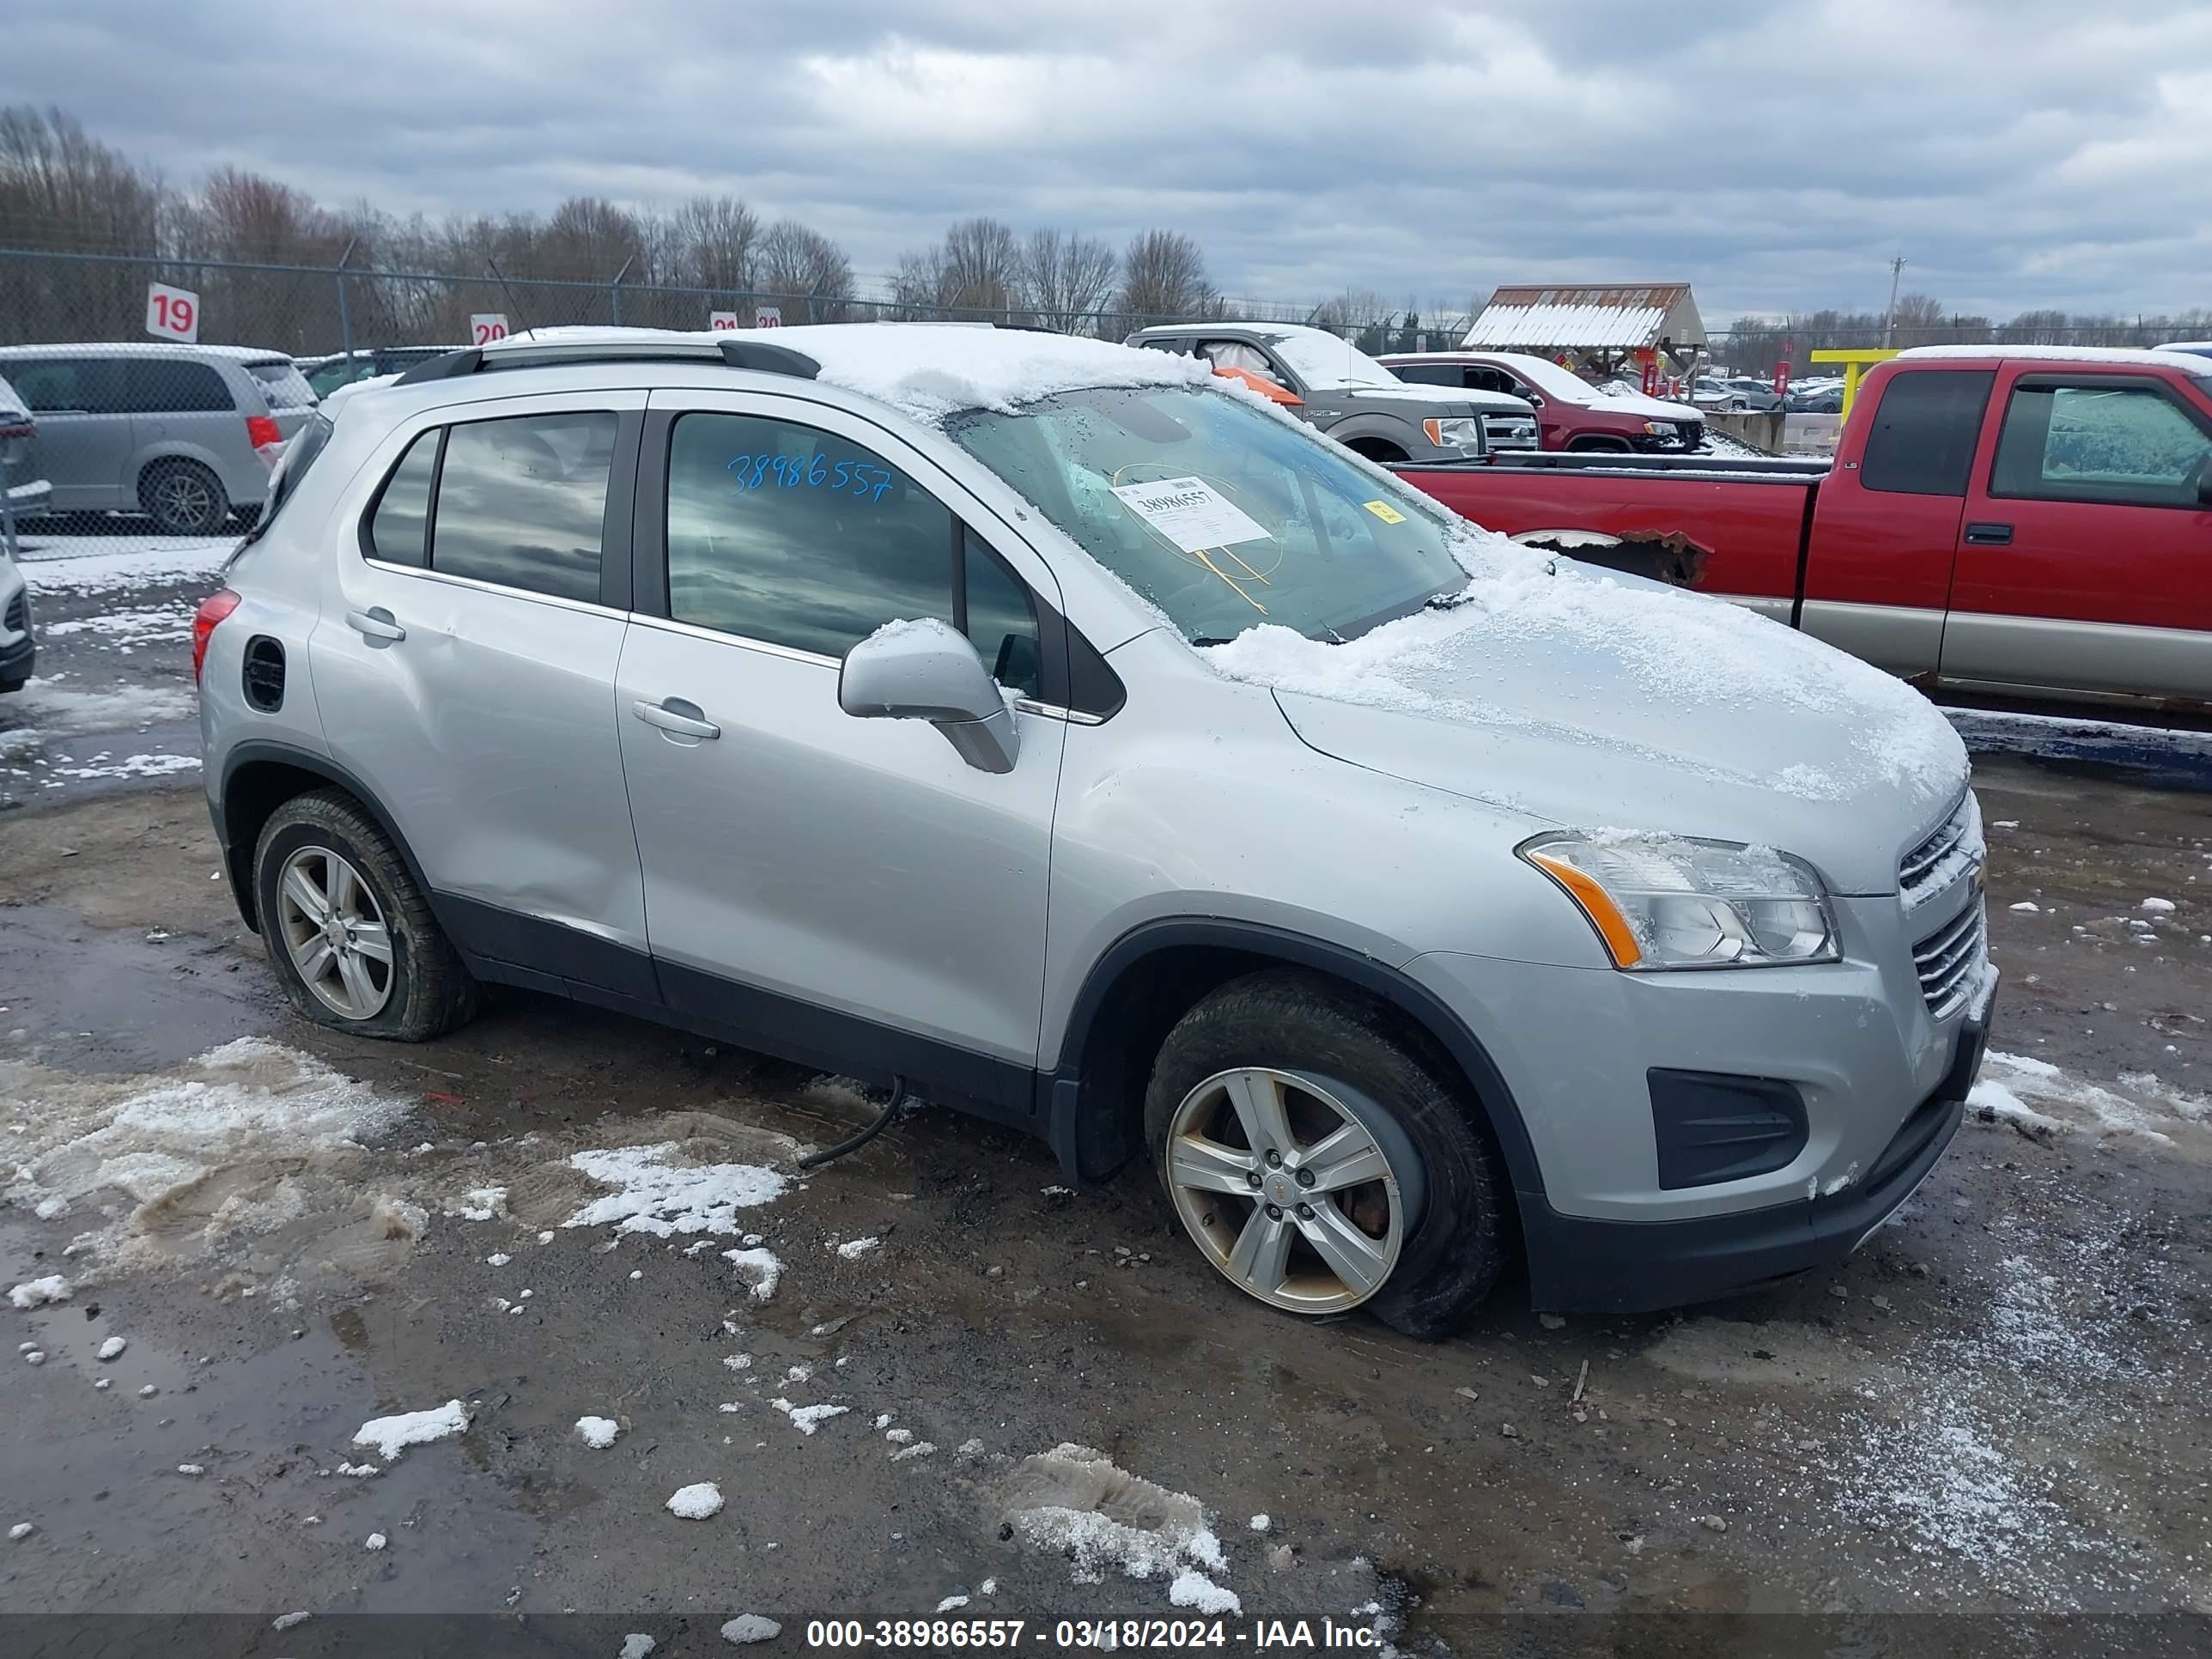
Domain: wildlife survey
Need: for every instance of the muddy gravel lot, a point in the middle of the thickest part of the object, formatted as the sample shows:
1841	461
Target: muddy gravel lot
544	1319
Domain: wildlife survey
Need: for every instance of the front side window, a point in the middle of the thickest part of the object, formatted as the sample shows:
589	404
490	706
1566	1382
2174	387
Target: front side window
2092	442
1923	440
1219	514
796	536
523	502
69	386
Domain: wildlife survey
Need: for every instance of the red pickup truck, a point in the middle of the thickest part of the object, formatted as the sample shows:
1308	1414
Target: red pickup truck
2036	522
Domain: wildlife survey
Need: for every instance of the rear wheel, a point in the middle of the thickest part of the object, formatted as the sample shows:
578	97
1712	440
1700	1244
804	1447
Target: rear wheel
184	498
1319	1163
351	935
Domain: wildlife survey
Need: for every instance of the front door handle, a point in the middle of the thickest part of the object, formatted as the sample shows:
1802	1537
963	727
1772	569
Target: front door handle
376	624
671	715
1989	535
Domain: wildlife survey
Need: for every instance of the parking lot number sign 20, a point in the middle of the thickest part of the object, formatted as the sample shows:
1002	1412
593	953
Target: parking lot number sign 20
172	314
485	326
768	316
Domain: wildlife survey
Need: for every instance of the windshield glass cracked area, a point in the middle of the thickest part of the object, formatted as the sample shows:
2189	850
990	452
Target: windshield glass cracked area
1222	515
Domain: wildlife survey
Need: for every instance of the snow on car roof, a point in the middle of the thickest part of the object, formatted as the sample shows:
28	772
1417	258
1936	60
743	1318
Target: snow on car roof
2134	357
142	347
930	370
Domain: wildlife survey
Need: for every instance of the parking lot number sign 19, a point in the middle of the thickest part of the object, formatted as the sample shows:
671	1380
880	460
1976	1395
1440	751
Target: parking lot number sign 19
718	320
485	326
768	316
172	314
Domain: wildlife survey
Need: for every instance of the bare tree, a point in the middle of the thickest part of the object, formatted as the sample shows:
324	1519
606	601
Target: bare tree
975	272
588	240
712	241
804	265
1065	277
1164	277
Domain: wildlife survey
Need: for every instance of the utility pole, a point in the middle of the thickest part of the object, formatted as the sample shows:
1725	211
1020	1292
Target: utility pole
1889	317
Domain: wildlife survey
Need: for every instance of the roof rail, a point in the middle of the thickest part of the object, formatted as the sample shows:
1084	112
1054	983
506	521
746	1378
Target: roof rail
759	355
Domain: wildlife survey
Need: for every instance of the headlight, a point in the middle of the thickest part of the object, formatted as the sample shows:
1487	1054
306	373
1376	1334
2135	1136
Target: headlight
1462	432
1653	429
1664	902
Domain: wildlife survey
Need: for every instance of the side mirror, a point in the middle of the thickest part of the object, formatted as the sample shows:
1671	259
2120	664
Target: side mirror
923	671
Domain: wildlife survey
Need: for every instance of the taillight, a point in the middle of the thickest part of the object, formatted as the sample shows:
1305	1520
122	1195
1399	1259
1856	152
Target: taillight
213	609
262	431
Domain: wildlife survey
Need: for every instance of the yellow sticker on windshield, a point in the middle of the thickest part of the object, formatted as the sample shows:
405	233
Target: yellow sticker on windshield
1385	512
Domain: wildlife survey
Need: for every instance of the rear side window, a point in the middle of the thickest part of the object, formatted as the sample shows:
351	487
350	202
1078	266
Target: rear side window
523	502
69	386
1430	373
283	386
2129	445
168	385
1923	435
398	527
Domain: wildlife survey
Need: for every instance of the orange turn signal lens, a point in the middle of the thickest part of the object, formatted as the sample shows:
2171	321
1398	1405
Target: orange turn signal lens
1597	904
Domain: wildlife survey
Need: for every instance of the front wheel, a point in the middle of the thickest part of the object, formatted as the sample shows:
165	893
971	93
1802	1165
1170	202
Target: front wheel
350	934
1319	1163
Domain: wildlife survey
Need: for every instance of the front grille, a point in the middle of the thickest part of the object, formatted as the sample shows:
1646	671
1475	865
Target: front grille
1950	960
1510	431
1930	868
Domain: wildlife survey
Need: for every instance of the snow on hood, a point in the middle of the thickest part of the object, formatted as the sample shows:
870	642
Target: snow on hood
1650	409
1576	694
932	370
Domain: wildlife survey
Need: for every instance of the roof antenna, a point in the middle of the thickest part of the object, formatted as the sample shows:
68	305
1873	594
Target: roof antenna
514	306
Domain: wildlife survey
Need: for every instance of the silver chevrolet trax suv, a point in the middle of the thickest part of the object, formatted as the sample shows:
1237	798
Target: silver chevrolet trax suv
1061	729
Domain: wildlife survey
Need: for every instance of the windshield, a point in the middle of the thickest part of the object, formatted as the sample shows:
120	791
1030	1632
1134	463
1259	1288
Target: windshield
1320	359
1222	515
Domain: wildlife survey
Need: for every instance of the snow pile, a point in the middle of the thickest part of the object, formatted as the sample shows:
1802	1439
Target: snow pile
1072	1501
636	1645
695	1502
1525	618
854	1249
656	1195
807	1419
375	1541
2041	1098
759	1268
391	1434
598	1432
480	1204
113	1347
244	1139
751	1627
37	1292
1193	1588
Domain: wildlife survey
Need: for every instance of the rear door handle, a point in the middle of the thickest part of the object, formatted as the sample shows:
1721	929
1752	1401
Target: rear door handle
671	715
376	624
1989	535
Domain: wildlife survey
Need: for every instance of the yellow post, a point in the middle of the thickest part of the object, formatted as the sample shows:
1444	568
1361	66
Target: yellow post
1855	363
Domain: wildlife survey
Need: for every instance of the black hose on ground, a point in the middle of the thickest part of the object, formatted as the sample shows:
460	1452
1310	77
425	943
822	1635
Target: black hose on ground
853	1143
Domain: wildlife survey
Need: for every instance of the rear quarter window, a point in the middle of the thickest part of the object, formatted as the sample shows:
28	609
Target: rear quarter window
282	384
161	385
1922	442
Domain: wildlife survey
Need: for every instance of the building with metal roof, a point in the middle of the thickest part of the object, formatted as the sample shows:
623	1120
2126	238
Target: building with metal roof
1597	327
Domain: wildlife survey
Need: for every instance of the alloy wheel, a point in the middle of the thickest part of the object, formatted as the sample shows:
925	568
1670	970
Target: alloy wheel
335	932
1298	1197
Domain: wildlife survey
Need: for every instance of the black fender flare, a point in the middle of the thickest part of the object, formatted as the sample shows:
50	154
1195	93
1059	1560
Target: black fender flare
1066	1113
238	861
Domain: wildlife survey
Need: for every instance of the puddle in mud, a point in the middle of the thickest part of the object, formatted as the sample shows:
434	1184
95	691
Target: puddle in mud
90	998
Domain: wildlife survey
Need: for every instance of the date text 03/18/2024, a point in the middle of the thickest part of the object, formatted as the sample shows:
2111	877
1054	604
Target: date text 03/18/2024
1102	1635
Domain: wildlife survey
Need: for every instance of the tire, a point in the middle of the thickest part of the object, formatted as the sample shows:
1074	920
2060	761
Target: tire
184	498
1333	1049
420	990
1377	451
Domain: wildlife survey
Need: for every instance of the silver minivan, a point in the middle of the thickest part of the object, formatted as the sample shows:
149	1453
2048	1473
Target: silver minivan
1065	734
184	433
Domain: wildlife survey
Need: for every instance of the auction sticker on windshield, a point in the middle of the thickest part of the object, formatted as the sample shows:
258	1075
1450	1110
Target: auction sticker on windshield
1191	513
1385	512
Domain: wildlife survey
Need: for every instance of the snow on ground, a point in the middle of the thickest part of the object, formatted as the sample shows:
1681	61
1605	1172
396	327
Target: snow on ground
657	1195
37	1292
853	1248
2040	1098
59	710
807	1419
393	1435
598	1432
636	1645
695	1502
759	1268
751	1627
128	631
110	564
1073	1502
232	1142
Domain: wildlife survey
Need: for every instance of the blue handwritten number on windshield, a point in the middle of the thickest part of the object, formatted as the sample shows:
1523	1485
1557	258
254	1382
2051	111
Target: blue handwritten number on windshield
751	472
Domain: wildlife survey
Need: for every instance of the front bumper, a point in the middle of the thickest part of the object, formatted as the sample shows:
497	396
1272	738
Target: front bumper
1579	1265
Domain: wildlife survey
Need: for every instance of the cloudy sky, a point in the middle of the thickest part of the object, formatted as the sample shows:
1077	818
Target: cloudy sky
2020	154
